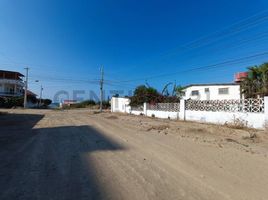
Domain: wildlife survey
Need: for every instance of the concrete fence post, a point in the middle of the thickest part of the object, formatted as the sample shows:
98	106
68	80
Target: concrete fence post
266	110
145	108
112	104
182	110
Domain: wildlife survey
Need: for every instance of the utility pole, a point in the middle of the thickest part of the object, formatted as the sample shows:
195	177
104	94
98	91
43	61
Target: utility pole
40	97
26	87
101	88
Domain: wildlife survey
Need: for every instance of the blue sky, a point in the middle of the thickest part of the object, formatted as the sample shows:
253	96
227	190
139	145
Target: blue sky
65	42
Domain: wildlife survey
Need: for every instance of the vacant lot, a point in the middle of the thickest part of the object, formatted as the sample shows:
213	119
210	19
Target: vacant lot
77	154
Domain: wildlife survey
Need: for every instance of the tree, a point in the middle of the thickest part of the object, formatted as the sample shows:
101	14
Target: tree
46	102
180	91
144	94
256	83
165	90
9	102
263	69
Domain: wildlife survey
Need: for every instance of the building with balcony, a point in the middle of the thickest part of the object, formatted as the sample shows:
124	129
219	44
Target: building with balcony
11	83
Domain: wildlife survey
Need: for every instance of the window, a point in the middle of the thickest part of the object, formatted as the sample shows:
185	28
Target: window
11	90
195	93
223	90
206	90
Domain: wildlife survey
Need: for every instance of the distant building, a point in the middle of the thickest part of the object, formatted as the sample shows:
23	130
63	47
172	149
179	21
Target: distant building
11	83
120	104
218	91
68	102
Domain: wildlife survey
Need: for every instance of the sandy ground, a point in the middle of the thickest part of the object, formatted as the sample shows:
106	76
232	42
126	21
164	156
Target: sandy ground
77	154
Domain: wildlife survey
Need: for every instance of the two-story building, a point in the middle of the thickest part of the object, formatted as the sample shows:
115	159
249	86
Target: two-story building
218	91
11	83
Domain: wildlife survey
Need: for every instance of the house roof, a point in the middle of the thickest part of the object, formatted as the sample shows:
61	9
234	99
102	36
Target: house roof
211	84
30	93
11	72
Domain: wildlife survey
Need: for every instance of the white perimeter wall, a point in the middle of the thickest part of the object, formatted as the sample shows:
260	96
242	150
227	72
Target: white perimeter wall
162	114
136	112
254	120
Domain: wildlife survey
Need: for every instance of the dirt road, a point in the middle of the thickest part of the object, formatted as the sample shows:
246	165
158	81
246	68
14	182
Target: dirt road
81	155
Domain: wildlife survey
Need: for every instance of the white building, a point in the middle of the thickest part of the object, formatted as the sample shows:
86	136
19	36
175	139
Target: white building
120	104
11	83
212	91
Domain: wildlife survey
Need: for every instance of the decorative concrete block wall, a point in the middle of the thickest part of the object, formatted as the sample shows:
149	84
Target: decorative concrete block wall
252	112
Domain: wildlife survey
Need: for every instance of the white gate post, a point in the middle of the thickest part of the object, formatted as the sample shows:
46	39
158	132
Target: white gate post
112	104
266	110
182	110
145	109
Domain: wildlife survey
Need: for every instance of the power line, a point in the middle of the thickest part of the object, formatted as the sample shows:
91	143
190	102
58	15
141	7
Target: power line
237	27
48	78
234	61
227	31
125	82
205	40
42	66
263	37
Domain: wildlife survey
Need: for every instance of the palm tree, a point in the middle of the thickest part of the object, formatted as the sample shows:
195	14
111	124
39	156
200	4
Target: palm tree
264	78
256	84
180	91
165	90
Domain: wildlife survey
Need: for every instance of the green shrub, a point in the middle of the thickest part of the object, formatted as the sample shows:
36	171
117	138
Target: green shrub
9	102
89	102
46	102
106	104
2	102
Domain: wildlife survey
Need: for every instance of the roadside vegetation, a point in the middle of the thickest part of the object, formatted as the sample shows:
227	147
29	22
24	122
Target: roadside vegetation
256	83
150	95
9	102
14	102
88	104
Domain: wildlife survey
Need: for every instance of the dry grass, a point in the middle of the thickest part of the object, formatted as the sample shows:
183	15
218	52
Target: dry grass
159	127
112	117
199	130
235	141
237	124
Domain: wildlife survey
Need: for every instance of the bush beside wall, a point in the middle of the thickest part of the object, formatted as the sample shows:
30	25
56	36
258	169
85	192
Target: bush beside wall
9	102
